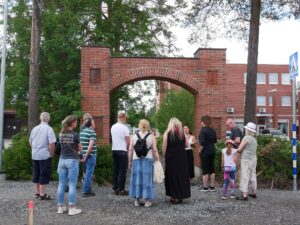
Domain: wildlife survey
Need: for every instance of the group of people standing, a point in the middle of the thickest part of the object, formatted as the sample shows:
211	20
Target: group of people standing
177	151
72	146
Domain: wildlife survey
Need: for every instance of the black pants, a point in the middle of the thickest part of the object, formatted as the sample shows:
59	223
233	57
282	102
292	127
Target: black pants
208	162
120	164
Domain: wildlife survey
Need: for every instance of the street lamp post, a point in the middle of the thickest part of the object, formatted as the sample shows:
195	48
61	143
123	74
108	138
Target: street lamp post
2	81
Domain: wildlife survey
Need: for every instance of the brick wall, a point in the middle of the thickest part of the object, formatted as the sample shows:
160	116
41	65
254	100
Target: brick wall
214	84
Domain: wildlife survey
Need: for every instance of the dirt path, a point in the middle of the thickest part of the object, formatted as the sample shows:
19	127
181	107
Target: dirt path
271	207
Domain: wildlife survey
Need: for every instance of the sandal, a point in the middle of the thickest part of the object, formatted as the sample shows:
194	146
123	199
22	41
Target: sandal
252	195
46	197
37	196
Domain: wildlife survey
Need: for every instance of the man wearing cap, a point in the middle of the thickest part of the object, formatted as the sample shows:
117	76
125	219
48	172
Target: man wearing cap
42	141
236	133
247	152
120	143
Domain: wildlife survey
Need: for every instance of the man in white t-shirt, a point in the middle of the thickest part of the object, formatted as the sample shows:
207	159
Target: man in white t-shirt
120	143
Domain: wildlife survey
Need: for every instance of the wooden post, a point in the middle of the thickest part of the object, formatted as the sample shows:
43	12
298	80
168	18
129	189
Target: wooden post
30	212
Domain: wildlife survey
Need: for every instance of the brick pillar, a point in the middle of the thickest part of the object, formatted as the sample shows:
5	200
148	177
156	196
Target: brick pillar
95	96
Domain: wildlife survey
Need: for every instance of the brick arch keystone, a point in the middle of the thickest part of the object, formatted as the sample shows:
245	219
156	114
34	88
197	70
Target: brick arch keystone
156	73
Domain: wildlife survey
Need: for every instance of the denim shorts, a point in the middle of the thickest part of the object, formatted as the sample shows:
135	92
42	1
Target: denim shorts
41	171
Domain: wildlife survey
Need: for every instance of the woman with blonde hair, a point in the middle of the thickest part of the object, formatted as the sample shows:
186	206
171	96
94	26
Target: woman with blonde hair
68	166
141	182
247	150
177	182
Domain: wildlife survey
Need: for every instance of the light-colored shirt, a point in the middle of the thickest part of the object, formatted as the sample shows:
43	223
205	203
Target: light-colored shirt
149	144
118	133
40	137
228	159
249	151
189	142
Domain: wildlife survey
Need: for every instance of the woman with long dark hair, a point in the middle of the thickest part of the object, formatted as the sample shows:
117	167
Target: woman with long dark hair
68	166
177	182
189	150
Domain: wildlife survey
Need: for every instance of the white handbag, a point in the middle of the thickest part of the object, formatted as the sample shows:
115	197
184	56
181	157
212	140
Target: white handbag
158	172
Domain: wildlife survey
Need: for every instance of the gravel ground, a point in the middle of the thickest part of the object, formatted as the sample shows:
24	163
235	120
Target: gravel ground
271	207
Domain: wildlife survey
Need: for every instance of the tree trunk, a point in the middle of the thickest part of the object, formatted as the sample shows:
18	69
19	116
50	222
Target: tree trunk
33	99
250	104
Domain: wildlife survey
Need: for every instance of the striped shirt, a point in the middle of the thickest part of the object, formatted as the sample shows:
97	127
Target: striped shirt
86	135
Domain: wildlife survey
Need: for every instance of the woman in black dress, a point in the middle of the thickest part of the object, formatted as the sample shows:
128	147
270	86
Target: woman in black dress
177	182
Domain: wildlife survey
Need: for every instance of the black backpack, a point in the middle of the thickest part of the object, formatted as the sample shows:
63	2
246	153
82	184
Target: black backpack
140	146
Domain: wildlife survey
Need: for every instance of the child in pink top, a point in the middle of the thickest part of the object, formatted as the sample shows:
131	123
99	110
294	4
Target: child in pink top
229	168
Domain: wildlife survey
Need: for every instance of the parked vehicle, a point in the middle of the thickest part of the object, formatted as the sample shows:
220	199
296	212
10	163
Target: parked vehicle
278	133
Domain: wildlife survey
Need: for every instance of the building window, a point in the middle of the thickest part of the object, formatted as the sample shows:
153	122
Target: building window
285	79
245	78
270	101
286	101
261	78
261	100
283	125
273	78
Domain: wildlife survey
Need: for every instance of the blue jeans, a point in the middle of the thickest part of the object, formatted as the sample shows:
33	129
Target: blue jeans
120	164
90	164
68	170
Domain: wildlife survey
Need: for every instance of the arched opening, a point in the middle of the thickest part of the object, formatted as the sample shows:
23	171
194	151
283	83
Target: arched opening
203	76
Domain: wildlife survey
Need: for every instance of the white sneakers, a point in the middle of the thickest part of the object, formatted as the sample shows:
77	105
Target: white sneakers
147	204
138	203
72	211
61	209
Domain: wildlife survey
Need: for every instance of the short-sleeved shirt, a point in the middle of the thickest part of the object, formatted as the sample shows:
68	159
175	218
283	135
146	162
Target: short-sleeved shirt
86	135
40	137
236	132
118	133
148	141
228	159
207	139
69	145
249	151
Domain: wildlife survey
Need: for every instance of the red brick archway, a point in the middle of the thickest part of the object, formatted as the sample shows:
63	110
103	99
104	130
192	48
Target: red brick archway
203	75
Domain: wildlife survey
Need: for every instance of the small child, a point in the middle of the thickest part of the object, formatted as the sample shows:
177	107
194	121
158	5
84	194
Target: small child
229	168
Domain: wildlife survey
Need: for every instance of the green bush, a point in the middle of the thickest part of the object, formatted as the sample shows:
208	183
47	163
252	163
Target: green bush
275	160
103	170
218	158
17	159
